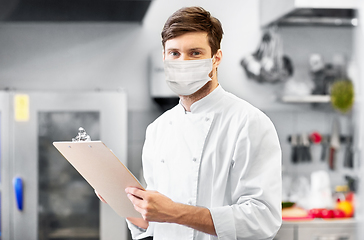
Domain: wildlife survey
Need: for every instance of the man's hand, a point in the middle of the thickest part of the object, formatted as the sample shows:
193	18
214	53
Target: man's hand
153	205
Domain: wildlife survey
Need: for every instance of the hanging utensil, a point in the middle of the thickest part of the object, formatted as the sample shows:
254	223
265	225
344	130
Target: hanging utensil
268	64
306	152
334	143
349	155
324	145
294	156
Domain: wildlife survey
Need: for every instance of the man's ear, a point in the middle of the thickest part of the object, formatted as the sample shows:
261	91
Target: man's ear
217	58
163	55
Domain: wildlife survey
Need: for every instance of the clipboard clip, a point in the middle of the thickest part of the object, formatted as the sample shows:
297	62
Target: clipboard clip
82	136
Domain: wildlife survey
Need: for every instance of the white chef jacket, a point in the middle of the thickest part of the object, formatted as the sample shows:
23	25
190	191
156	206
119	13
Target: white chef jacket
223	155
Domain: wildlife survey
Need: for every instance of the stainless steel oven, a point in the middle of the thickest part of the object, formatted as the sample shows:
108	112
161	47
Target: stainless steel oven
42	196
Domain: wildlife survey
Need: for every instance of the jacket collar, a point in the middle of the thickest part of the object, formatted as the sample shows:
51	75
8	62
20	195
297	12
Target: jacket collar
207	103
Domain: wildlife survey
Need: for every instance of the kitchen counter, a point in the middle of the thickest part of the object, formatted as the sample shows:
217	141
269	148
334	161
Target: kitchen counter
318	229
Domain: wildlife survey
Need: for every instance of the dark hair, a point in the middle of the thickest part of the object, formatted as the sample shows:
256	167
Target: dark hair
193	19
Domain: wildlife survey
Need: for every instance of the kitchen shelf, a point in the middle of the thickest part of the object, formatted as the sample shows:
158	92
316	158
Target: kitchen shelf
306	99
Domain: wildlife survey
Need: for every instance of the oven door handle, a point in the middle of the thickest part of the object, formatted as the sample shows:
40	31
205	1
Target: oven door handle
18	190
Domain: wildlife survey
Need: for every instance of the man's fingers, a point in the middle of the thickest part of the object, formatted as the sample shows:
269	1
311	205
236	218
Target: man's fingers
140	210
100	197
135	192
136	201
138	204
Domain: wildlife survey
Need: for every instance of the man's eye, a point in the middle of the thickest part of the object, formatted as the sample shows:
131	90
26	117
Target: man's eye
174	54
195	53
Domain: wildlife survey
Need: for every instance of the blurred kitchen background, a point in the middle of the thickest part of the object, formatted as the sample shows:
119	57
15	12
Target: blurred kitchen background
98	64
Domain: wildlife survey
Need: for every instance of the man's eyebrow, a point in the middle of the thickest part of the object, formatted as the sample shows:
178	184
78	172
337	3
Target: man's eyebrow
169	49
198	48
190	49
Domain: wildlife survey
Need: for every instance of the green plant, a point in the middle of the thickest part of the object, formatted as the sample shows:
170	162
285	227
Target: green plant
342	95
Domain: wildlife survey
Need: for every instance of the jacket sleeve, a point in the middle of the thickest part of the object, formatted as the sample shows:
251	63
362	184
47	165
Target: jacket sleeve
255	180
136	232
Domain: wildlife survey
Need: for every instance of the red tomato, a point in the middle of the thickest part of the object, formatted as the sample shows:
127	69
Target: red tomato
315	212
327	213
339	213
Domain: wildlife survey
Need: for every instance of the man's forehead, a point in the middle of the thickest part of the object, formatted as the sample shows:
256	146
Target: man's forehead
190	40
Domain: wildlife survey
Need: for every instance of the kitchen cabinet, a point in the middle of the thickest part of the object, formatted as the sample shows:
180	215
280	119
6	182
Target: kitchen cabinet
287	232
308	12
318	229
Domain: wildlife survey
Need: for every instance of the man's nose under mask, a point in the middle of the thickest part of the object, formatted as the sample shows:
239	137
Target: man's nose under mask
188	76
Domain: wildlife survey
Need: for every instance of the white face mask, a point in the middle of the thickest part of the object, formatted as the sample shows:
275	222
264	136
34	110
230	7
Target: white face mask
188	76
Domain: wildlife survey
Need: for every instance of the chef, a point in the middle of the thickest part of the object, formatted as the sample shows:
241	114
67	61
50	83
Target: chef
212	163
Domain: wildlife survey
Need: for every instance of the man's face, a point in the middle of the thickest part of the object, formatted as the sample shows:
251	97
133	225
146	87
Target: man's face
189	46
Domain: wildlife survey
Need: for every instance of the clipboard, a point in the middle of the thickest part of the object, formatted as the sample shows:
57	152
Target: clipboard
99	166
